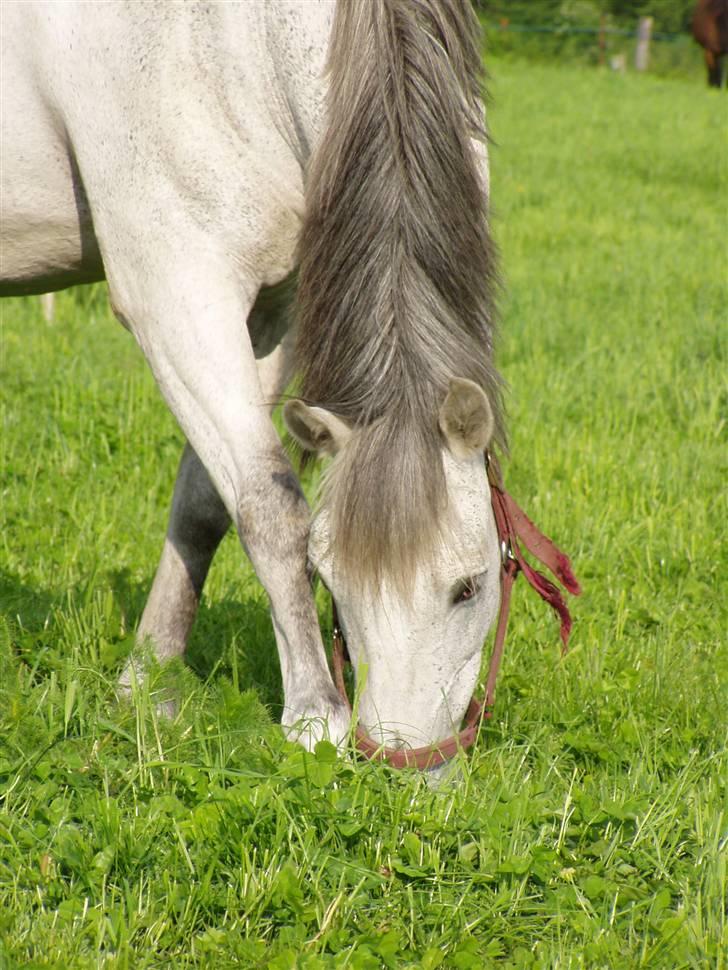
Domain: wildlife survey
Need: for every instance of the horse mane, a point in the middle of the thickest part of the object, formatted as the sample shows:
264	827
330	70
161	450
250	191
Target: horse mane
397	279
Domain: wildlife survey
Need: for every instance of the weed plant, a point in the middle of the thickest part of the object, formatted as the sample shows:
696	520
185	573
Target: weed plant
588	826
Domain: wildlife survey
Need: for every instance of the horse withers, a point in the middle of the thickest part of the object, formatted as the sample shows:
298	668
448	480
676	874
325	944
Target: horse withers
197	156
710	30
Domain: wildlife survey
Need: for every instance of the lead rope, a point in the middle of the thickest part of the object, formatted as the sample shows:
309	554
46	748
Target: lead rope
512	524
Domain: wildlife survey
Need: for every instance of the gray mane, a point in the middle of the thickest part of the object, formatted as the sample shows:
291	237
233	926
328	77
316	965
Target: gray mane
397	269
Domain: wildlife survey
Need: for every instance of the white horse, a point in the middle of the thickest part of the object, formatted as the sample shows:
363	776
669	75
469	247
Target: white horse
194	155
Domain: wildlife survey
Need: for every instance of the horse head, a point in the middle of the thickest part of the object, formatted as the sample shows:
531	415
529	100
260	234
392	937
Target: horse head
415	641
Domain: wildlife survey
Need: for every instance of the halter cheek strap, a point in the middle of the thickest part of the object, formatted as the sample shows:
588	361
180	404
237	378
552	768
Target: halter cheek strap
514	527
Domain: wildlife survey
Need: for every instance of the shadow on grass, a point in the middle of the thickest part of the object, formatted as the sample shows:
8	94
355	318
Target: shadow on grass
20	602
232	639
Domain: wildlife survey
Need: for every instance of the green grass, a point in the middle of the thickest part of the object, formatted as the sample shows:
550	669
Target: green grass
589	827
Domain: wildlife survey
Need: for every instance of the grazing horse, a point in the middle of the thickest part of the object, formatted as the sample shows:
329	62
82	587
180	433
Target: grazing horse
209	159
710	29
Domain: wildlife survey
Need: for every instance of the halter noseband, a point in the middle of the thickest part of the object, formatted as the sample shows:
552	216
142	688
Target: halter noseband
513	527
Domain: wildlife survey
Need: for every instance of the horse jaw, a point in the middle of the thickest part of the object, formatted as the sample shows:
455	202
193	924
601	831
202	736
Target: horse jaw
417	659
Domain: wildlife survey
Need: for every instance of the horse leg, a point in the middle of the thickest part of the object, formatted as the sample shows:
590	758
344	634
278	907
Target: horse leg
713	64
204	364
198	521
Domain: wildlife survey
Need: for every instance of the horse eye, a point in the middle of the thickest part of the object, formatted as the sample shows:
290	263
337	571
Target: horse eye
465	590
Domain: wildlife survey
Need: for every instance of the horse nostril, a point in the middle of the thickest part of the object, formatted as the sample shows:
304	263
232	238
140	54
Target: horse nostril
389	740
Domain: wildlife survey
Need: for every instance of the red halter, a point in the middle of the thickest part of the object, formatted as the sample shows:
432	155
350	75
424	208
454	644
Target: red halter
513	526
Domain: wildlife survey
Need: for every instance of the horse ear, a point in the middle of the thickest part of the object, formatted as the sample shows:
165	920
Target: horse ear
466	419
315	429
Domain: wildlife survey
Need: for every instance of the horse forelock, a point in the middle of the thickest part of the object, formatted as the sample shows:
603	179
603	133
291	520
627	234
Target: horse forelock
397	270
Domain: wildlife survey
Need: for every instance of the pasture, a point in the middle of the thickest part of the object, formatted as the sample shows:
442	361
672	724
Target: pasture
589	826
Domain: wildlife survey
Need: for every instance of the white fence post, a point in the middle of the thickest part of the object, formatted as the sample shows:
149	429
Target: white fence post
48	302
642	53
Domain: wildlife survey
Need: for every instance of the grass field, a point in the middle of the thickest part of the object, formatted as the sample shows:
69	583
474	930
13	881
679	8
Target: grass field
589	828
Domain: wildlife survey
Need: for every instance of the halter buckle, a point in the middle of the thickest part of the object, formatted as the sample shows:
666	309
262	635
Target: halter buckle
506	552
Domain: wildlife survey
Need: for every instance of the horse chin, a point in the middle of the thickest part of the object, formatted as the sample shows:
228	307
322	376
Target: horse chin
445	775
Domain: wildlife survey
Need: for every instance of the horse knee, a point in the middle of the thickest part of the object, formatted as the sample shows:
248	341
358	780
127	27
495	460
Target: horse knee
273	516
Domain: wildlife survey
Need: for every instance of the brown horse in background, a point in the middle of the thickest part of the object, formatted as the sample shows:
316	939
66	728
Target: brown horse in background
710	29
